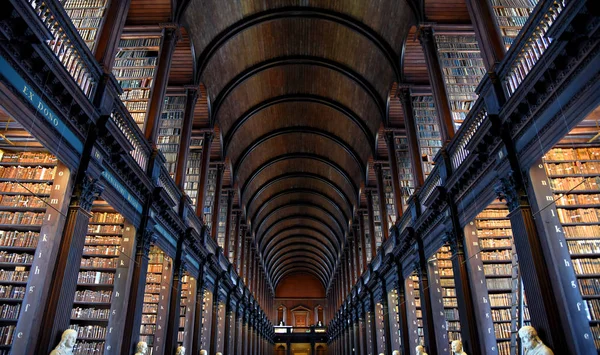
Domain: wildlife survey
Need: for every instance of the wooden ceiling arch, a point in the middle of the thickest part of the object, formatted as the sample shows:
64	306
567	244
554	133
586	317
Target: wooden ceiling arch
300	93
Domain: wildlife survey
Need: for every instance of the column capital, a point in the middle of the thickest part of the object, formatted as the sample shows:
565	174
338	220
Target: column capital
508	190
88	191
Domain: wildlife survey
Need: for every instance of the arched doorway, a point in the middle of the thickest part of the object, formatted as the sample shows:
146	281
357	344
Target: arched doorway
320	350
301	316
280	350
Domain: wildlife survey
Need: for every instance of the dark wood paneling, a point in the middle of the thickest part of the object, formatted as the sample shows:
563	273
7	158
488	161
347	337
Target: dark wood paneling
447	11
149	12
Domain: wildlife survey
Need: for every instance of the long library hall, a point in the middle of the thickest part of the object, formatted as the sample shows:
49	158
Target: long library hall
342	177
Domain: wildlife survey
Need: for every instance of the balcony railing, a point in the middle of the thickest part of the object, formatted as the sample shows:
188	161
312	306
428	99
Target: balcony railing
528	51
123	120
68	46
459	147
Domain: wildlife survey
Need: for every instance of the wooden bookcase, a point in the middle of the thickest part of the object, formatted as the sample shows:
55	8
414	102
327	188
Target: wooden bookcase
428	130
463	69
222	220
495	277
87	17
26	181
388	189
416	335
441	276
169	133
209	198
573	175
405	173
186	311
232	238
367	237
192	174
156	299
511	16
101	284
377	219
135	69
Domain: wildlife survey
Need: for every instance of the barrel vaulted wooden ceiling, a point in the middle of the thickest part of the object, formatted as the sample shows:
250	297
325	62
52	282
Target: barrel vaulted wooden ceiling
298	93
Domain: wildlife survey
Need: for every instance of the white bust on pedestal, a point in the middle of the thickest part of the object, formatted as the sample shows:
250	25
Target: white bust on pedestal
180	350
141	348
203	352
66	344
532	343
420	350
457	348
395	352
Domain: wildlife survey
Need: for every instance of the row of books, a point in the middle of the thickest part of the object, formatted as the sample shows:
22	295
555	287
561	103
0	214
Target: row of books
149	308
514	21
504	223
497	269
593	309
136	83
572	169
139	42
584	246
20	201
107	217
589	287
499	255
101	250
515	3
10	312
148	329
89	331
93	296
23	258
75	4
134	72
27	187
495	243
27	173
105	229
90	313
586	266
502	330
95	277
88	23
27	157
102	240
498	284
591	153
130	61
136	106
12	292
151	298
104	263
82	13
88	348
501	315
19	274
577	199
581	232
23	218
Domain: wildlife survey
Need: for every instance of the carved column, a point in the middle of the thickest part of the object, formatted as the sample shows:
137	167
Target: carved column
175	299
436	80
145	239
245	332
371	332
215	321
217	201
171	35
57	315
192	93
383	212
488	34
412	137
239	325
204	167
464	295
371	224
362	334
383	322
402	311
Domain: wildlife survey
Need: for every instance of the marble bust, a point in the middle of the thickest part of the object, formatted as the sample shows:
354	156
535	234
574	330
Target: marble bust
141	348
395	352
180	350
532	343
66	344
420	350
457	348
203	352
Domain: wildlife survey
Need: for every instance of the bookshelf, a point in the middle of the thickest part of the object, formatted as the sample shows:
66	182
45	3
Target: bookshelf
367	237
192	174
134	69
209	198
511	16
388	189
394	316
492	259
462	68
441	272
405	173
232	238
416	335
573	175
377	219
186	311
428	130
169	133
104	265
26	180
156	298
222	220
87	17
